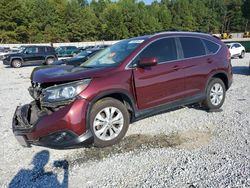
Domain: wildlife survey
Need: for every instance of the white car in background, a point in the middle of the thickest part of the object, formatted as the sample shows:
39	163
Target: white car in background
236	50
6	51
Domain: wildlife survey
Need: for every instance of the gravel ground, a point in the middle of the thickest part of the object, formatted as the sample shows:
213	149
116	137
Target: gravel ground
187	147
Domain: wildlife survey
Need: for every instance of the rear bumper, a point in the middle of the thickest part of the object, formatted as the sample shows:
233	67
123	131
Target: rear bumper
64	128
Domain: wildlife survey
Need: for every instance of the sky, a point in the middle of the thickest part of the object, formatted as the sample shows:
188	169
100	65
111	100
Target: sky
147	2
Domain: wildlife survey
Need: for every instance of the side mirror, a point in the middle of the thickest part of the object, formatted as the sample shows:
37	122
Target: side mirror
148	61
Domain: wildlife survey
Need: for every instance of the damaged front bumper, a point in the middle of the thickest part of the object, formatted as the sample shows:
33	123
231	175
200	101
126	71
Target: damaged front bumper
63	128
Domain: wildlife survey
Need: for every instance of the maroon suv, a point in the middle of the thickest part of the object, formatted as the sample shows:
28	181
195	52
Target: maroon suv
133	79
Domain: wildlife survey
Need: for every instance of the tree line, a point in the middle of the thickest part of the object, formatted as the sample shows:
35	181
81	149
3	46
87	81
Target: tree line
35	21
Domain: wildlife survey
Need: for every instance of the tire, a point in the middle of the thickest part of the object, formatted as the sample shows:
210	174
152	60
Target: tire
49	60
242	55
215	94
16	63
102	114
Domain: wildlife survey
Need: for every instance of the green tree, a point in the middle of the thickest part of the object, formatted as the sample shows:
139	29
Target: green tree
162	14
182	15
11	22
246	13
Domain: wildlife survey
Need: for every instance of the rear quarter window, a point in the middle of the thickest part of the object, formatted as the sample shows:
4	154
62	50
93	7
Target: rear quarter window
212	47
51	49
192	47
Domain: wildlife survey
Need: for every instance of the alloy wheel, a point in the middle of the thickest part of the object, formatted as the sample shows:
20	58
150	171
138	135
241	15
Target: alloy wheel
216	94
108	123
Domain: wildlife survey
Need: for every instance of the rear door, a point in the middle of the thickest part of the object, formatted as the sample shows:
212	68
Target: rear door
163	83
197	64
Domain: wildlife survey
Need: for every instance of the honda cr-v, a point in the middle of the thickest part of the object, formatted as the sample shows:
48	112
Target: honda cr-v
131	80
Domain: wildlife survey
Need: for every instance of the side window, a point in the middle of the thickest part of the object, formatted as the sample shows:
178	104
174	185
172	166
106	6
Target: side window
211	46
41	49
192	47
163	49
51	50
71	48
31	50
233	46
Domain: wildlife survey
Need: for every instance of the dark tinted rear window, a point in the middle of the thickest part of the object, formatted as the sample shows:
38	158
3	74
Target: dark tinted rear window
237	45
211	46
71	47
50	49
192	47
41	49
163	49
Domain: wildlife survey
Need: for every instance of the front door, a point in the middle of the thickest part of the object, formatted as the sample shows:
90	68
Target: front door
162	83
33	55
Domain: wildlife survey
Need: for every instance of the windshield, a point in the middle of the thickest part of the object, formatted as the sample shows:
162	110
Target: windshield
22	49
59	49
113	55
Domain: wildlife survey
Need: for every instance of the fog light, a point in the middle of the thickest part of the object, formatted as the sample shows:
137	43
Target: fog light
60	137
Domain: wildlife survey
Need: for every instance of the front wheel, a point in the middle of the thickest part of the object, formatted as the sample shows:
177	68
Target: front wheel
16	63
49	61
109	120
215	94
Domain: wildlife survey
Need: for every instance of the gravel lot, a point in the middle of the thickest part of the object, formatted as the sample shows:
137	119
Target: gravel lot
187	147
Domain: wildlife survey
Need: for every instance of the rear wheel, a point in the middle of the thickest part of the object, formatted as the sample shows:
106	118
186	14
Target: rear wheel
50	60
242	55
16	63
215	94
109	120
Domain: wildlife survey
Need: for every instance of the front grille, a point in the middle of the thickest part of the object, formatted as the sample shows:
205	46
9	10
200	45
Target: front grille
35	84
21	118
27	116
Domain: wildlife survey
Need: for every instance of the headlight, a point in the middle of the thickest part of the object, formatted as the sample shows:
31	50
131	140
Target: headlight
64	92
5	56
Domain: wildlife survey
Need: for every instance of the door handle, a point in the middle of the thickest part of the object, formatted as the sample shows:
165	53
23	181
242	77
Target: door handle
176	67
209	61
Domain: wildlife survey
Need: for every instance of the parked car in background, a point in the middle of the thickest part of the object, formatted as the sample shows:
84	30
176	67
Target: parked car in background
3	52
67	51
4	49
236	50
130	80
31	55
102	46
85	48
78	59
16	49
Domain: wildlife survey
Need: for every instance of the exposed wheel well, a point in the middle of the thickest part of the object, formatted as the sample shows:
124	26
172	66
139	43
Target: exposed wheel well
49	57
223	77
125	100
16	59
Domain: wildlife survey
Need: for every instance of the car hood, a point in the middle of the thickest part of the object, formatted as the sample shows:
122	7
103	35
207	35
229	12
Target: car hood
74	59
60	74
14	54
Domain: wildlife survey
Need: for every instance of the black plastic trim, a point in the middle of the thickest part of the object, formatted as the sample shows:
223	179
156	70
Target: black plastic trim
169	106
78	141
